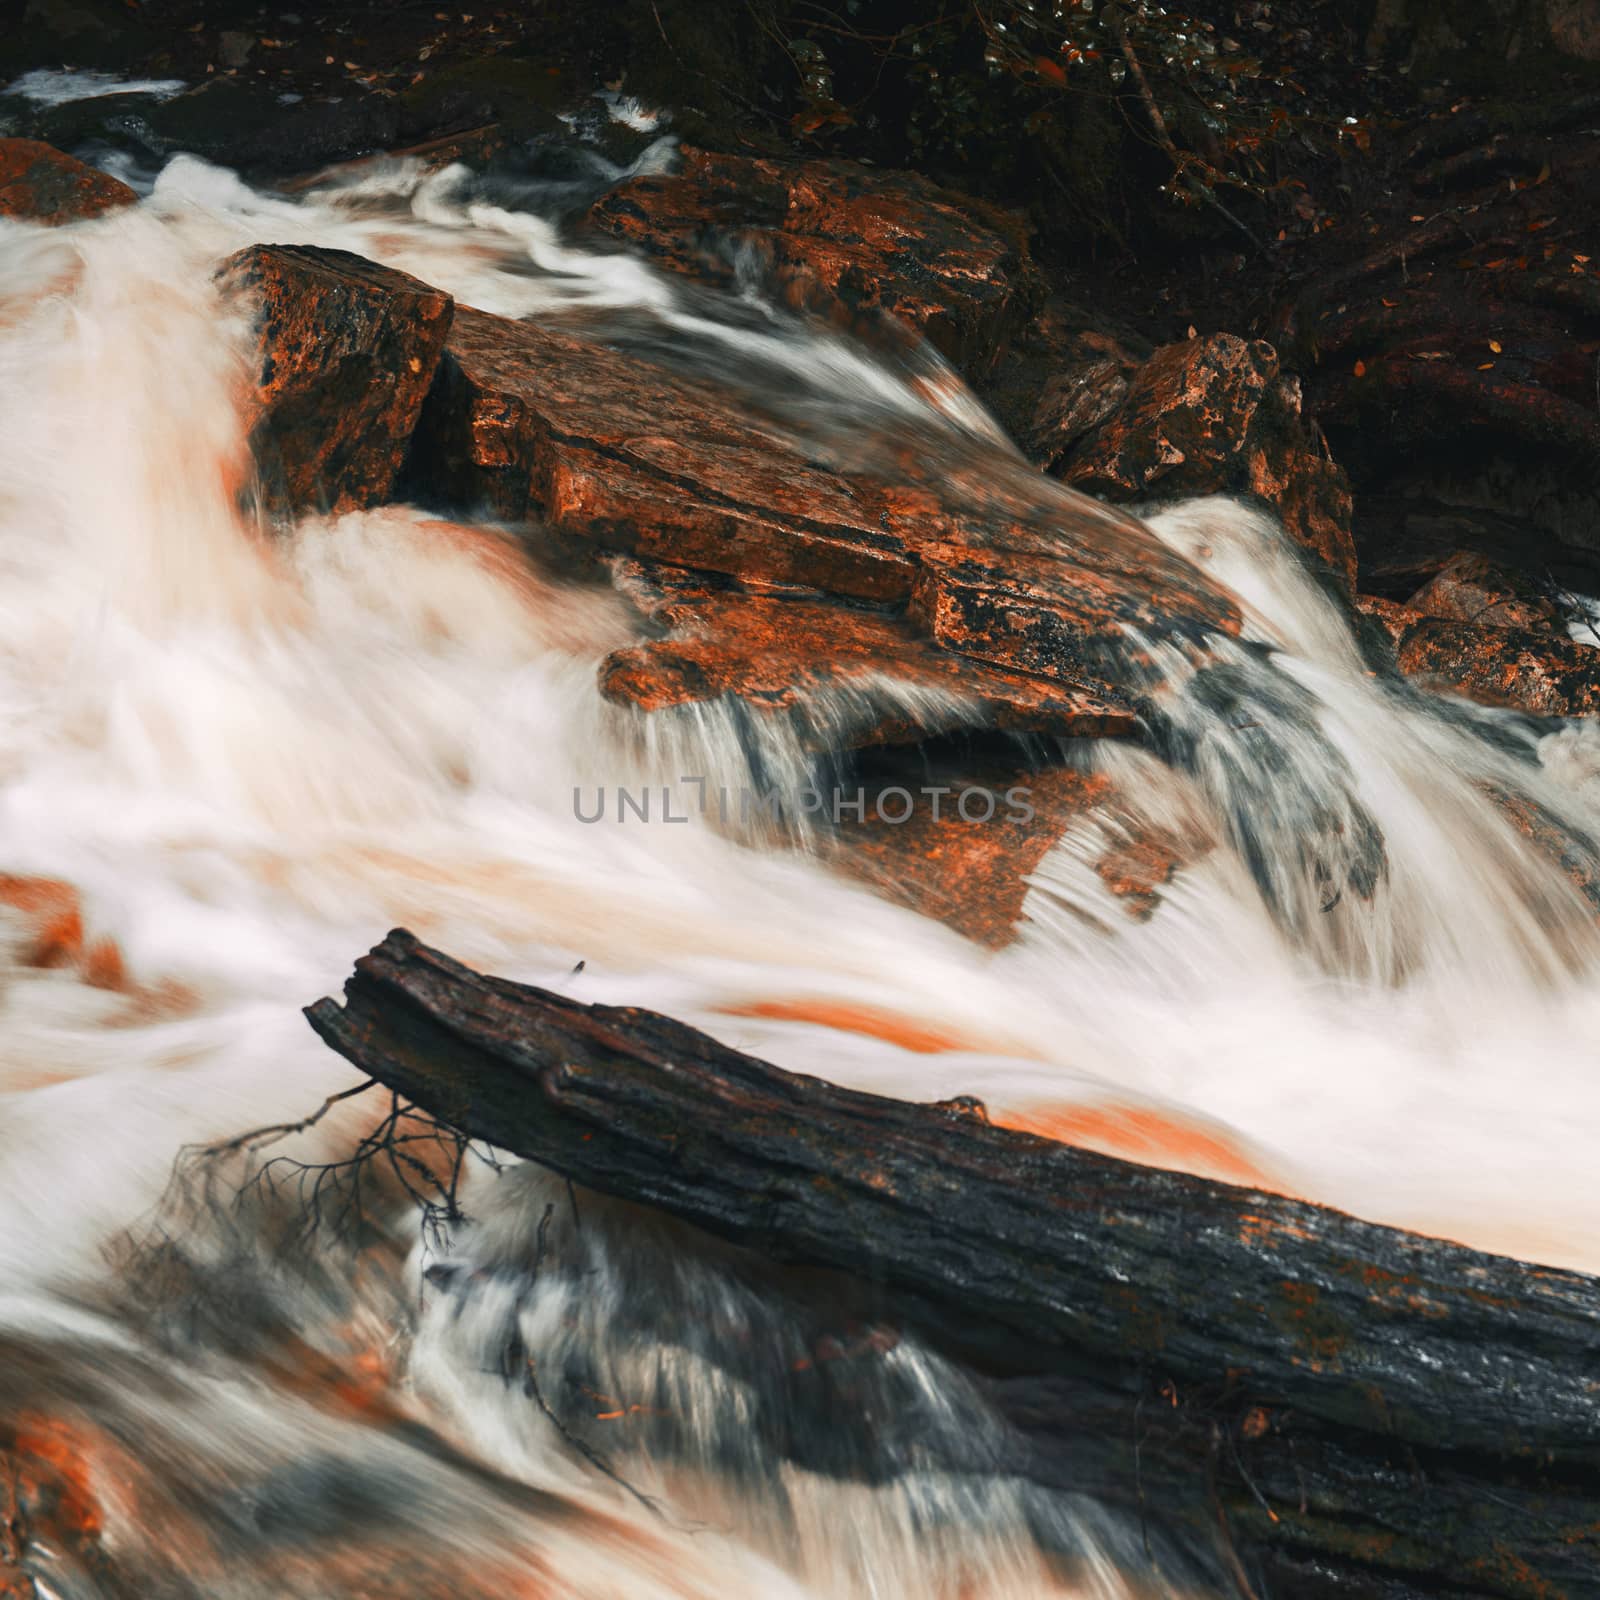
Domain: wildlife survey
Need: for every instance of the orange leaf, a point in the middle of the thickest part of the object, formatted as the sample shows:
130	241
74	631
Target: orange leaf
1360	369
1494	344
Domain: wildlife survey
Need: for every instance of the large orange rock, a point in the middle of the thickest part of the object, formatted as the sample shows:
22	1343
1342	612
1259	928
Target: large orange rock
825	666
1216	416
347	350
631	456
1546	674
838	238
42	184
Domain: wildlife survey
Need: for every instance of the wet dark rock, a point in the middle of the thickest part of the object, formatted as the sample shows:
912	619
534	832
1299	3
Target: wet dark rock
836	238
89	33
1547	674
1214	416
518	95
1075	402
41	184
848	677
972	875
967	862
1404	540
246	125
347	350
633	457
1470	588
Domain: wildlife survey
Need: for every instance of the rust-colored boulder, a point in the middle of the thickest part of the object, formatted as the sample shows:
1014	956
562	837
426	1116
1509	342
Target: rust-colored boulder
39	183
848	241
347	351
633	457
1576	855
1546	674
1074	402
848	676
1216	416
970	874
1470	588
967	862
49	1503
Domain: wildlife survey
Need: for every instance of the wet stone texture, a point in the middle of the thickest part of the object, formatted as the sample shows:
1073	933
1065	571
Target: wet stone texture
1207	416
1547	674
347	350
1471	588
969	869
838	239
971	875
628	456
39	183
849	676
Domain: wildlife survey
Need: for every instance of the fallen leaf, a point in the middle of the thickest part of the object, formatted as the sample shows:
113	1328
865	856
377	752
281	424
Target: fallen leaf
1391	304
1494	344
1486	366
1360	369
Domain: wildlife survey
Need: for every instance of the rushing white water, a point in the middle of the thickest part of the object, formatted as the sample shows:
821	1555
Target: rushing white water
250	757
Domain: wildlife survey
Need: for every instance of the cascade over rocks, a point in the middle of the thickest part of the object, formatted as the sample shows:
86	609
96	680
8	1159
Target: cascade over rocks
1206	416
630	456
973	875
794	656
347	350
839	239
39	183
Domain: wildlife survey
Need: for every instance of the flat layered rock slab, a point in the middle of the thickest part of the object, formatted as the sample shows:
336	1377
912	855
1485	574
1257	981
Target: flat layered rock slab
849	677
347	351
631	456
836	238
39	183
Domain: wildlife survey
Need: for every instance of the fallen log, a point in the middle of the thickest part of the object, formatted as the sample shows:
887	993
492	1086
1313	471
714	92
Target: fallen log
1349	1408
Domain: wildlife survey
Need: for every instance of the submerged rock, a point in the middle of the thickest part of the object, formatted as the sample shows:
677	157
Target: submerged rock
1211	416
347	351
39	183
837	238
967	861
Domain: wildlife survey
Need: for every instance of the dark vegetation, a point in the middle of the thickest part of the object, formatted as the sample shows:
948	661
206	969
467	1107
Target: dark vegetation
1396	193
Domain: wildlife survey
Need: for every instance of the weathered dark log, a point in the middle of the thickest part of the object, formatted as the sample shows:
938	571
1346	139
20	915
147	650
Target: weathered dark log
1363	1411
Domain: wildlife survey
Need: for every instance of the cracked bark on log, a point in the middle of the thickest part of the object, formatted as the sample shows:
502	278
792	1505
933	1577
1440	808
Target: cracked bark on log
1360	1410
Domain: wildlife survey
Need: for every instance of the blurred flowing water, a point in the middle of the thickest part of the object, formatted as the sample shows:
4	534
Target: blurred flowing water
252	753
